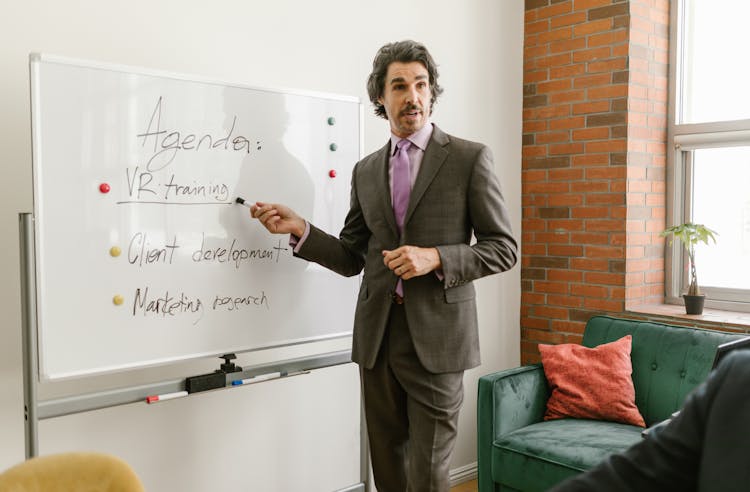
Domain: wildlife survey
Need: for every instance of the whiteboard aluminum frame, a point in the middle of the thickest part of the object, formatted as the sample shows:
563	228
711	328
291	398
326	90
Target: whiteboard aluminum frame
34	61
36	410
115	67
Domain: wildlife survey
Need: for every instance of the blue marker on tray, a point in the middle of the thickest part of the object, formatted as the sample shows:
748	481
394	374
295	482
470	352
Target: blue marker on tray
259	378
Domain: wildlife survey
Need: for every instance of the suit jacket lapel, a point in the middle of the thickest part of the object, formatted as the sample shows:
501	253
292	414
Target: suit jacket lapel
434	157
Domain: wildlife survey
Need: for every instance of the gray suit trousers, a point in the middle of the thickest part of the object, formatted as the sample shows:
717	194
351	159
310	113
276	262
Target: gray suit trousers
411	413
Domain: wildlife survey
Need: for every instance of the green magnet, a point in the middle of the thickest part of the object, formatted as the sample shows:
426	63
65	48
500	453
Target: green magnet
331	121
333	147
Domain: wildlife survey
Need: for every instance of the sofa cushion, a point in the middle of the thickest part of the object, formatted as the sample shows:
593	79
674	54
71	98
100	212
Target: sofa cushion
538	456
591	383
668	361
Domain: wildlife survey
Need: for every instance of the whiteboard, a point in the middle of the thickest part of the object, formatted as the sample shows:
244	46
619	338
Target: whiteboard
195	276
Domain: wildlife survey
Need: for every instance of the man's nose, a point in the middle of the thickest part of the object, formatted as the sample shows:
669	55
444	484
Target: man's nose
412	95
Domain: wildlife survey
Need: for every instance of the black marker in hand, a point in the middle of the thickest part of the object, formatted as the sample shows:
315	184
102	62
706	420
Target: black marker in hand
241	201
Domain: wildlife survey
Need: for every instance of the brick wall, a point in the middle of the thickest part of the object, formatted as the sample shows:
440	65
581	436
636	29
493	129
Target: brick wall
594	155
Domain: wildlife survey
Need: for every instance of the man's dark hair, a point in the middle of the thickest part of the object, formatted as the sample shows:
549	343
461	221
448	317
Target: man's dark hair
404	52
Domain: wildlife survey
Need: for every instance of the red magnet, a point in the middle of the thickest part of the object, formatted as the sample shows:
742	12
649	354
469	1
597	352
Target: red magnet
332	173
104	188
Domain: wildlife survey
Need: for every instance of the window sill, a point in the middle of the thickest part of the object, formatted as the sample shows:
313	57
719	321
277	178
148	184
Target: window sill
711	318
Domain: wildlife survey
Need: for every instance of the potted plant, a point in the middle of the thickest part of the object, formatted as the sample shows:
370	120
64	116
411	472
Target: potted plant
689	235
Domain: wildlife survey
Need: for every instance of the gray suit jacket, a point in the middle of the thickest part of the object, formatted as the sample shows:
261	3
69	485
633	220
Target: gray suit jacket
455	194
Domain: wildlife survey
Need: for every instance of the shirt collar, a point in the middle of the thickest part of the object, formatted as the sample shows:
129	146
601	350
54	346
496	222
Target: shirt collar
419	138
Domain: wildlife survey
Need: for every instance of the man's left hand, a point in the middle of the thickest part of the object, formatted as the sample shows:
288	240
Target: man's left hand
411	261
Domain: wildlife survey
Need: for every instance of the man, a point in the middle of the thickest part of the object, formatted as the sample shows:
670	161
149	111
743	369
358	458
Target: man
704	448
415	326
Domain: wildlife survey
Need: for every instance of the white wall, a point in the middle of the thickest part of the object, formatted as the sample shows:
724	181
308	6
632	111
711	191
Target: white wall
322	46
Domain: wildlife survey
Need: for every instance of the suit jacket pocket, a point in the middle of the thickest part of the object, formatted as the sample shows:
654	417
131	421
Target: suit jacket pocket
461	293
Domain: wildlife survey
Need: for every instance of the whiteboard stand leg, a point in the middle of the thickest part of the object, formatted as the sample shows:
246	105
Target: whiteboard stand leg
28	318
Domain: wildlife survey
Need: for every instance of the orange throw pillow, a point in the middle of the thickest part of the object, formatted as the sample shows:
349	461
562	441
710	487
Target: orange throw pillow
591	383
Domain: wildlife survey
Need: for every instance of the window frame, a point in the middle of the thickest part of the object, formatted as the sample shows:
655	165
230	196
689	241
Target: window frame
682	140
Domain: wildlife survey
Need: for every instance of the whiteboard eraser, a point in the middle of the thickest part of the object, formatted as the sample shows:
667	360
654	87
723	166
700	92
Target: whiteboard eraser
205	382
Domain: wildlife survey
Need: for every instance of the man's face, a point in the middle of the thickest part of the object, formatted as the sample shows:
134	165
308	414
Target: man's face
406	97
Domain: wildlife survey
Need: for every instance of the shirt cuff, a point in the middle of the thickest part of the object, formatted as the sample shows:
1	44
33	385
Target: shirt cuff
297	242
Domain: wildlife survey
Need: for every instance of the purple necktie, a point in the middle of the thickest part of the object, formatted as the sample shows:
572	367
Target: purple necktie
401	191
401	182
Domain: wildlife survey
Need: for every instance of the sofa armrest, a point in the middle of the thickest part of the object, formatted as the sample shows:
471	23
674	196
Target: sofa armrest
507	400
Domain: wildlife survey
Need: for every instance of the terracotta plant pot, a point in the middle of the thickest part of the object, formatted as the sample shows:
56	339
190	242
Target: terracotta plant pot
694	304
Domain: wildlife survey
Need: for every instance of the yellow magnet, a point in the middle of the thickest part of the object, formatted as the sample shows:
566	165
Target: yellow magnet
118	299
115	251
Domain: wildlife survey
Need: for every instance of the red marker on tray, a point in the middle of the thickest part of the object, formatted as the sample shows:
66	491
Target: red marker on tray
167	396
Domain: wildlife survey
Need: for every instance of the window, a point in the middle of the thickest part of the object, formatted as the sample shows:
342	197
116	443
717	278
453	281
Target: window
709	133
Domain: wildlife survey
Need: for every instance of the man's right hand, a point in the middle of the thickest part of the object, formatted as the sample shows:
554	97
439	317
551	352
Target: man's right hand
278	219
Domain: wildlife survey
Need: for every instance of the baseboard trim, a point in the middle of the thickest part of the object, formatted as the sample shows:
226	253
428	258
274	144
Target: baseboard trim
463	474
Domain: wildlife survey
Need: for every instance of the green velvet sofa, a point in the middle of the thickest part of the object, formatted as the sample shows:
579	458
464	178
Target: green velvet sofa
518	450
